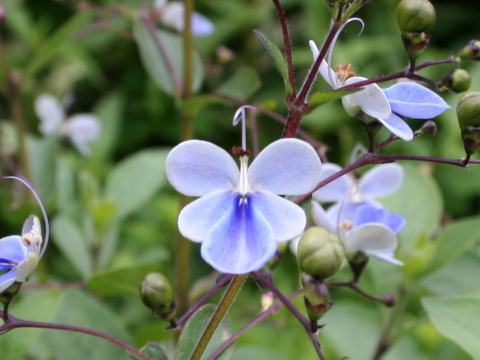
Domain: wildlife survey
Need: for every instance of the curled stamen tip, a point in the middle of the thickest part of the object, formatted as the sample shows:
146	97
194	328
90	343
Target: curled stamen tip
240	114
360	21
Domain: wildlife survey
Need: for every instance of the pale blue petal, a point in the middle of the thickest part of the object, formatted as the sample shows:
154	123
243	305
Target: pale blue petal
198	218
337	189
327	73
241	242
12	249
387	257
286	219
196	167
286	167
371	99
343	211
50	112
369	214
381	180
321	218
371	239
415	101
201	26
396	125
6	280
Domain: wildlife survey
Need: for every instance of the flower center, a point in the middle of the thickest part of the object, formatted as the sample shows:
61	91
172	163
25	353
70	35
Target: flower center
343	73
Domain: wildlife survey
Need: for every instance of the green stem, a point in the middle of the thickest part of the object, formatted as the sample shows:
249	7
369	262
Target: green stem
219	314
13	96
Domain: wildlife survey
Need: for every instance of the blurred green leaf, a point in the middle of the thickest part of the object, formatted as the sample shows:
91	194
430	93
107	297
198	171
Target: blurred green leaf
93	315
256	353
241	85
123	281
278	59
152	350
419	200
194	329
154	61
40	307
322	97
71	242
61	37
136	179
456	238
203	100
457	319
41	163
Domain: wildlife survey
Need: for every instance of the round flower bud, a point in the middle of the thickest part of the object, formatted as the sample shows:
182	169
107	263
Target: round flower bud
468	114
320	253
471	51
458	80
415	16
156	293
316	296
468	109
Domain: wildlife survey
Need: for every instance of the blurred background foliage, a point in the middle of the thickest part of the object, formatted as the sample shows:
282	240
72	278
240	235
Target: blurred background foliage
113	215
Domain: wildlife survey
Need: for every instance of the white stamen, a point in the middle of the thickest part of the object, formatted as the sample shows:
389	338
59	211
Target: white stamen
243	185
241	116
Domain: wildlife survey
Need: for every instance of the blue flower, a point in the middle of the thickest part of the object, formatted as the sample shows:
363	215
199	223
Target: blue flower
239	217
172	14
407	99
363	228
19	255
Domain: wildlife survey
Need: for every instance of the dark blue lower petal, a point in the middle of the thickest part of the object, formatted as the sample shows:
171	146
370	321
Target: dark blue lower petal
241	241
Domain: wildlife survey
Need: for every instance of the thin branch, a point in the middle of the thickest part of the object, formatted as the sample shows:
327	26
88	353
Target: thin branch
260	317
14	323
306	324
286	42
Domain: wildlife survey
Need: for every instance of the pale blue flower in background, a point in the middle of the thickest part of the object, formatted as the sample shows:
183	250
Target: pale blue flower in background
81	129
367	228
172	14
407	99
239	217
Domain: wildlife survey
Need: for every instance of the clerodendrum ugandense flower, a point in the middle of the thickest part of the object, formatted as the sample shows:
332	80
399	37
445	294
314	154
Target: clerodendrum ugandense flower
359	220
240	217
20	254
81	129
173	14
407	99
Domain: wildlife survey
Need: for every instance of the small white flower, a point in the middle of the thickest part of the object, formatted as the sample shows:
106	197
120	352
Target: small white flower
81	129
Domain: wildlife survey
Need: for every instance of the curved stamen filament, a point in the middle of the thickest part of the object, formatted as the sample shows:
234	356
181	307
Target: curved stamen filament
241	116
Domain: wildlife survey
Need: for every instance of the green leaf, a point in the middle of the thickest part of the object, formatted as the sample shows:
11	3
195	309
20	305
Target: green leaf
278	59
123	281
80	310
194	329
40	307
154	61
42	164
457	319
199	102
61	37
322	97
152	350
135	180
456	238
241	85
71	242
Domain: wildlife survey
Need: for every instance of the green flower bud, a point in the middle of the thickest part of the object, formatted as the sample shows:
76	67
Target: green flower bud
320	253
458	80
415	43
316	296
9	293
471	51
468	114
156	293
415	16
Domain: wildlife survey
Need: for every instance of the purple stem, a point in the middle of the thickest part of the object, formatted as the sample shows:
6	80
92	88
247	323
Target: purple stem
163	52
386	300
13	323
306	324
263	315
286	41
200	302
